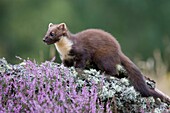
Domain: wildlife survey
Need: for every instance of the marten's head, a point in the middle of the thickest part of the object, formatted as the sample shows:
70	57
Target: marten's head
55	33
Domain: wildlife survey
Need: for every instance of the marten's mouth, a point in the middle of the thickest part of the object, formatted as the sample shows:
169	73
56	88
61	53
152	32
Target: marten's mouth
48	42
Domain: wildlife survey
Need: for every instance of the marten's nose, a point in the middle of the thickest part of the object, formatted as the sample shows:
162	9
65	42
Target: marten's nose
44	39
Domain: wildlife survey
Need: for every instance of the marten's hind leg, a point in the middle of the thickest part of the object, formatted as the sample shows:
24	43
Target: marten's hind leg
107	65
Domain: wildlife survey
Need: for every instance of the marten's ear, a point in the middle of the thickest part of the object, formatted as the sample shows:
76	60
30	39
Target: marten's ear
50	24
62	26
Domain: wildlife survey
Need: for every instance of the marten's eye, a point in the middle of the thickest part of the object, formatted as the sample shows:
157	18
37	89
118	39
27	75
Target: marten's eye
52	34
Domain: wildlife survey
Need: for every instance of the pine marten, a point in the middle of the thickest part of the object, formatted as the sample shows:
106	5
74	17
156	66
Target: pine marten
99	48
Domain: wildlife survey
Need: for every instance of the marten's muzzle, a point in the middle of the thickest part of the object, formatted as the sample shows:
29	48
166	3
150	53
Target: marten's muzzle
49	40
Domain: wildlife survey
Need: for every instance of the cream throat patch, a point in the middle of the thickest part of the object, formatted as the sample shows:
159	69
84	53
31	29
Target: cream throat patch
64	46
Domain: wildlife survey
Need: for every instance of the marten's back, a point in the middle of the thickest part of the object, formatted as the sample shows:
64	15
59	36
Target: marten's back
96	39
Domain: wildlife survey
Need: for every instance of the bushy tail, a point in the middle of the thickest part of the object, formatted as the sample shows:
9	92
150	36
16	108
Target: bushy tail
138	81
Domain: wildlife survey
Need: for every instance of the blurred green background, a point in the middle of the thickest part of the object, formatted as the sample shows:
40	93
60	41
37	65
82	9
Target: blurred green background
140	26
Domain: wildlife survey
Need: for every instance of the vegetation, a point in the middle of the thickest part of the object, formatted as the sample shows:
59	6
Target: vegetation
50	87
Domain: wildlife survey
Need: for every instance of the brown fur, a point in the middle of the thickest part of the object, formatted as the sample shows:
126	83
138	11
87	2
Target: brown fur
102	50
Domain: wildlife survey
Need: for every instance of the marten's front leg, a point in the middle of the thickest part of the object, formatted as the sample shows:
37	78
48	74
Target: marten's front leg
68	62
80	64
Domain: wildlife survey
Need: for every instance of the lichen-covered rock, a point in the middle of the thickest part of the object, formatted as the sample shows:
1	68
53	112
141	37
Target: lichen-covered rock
50	87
